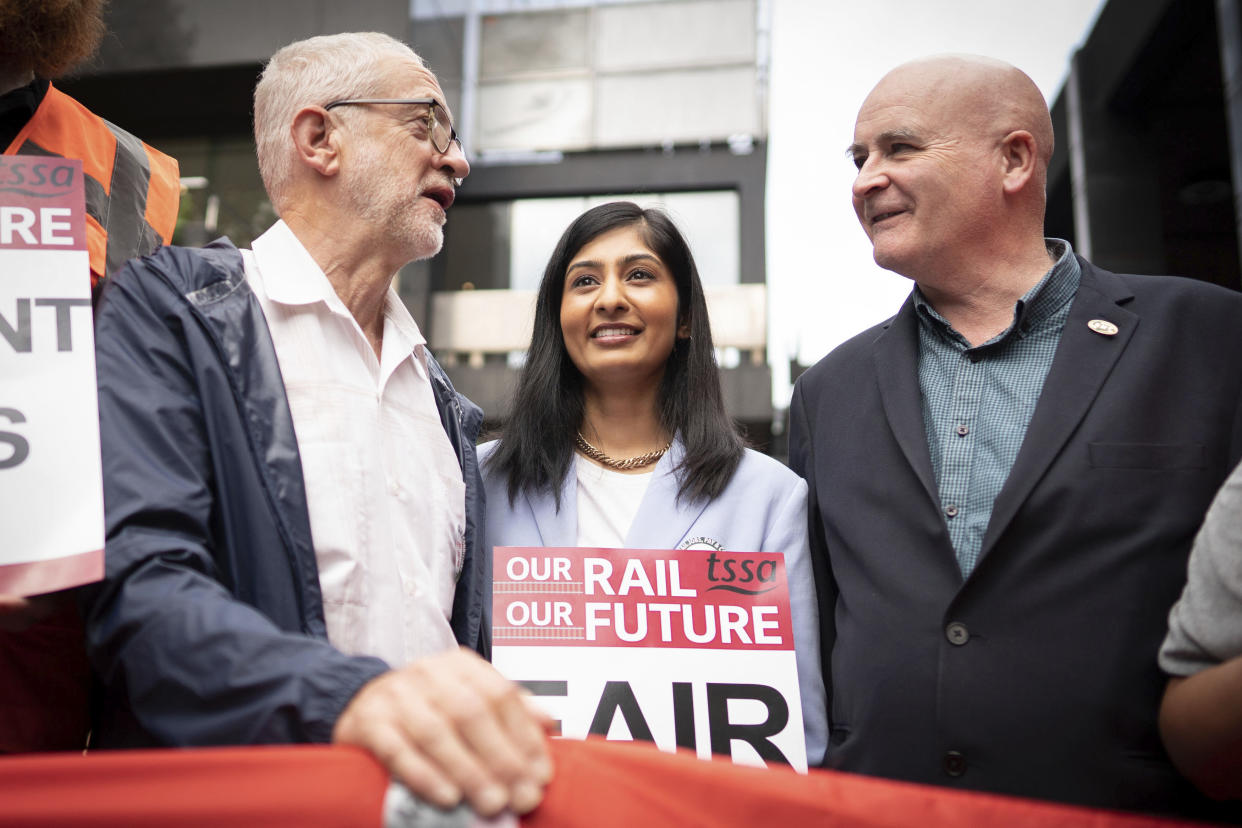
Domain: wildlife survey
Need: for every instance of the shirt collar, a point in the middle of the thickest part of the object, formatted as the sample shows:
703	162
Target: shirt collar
291	276
1039	304
1054	290
397	319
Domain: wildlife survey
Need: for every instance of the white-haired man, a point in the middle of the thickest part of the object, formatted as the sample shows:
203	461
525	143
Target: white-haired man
293	504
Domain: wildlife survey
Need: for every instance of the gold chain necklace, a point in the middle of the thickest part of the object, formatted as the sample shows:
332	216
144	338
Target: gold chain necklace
622	465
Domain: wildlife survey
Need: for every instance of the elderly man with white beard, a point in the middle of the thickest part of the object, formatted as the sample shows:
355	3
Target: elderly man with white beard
294	539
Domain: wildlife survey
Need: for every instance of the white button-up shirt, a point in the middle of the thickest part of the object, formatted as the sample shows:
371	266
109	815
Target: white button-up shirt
385	492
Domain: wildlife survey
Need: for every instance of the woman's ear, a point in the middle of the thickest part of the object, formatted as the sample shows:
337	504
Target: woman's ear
683	328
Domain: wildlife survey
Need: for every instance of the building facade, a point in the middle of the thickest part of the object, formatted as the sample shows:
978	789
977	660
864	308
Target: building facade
561	104
1146	173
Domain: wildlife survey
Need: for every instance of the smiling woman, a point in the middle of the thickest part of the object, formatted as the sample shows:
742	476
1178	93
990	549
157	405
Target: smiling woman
619	315
618	436
622	352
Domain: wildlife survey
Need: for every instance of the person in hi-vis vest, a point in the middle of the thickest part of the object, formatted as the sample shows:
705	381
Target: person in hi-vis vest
132	196
132	190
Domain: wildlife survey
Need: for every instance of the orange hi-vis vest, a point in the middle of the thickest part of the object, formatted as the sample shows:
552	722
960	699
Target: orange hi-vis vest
132	190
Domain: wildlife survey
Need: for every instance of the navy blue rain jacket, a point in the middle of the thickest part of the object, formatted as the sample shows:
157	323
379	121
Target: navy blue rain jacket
208	628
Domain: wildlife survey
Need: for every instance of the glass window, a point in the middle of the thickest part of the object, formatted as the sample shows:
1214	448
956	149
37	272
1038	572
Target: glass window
526	43
227	197
709	221
650	35
680	106
535	115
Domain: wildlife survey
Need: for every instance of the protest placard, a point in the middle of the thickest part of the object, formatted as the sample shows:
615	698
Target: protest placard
52	530
690	648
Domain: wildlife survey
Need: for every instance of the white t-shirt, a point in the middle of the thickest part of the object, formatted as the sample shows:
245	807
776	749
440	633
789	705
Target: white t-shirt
383	487
607	503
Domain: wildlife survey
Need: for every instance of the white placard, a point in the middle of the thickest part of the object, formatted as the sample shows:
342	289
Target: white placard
688	649
50	476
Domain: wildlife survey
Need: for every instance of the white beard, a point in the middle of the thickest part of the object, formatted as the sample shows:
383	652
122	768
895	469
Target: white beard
404	218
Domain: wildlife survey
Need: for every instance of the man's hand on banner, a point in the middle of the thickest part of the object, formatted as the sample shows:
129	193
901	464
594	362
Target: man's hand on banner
450	727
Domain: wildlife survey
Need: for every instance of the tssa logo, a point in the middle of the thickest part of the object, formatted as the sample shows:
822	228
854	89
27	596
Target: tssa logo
25	176
741	570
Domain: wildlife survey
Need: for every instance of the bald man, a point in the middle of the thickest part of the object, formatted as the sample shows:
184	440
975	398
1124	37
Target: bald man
1007	475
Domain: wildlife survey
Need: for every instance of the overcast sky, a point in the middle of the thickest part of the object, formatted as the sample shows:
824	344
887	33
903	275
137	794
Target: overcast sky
826	55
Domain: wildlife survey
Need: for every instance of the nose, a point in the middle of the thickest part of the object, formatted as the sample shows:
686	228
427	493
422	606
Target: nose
611	295
871	176
453	161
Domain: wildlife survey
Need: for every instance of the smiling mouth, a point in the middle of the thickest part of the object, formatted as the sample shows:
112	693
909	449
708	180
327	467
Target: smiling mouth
610	331
879	217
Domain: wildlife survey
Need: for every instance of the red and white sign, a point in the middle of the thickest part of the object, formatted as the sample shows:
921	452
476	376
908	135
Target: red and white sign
51	494
688	648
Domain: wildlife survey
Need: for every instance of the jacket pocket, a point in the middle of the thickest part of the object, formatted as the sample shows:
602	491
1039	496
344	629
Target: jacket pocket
1161	456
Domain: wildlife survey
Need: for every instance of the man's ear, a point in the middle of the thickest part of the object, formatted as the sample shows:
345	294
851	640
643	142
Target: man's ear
316	140
1019	157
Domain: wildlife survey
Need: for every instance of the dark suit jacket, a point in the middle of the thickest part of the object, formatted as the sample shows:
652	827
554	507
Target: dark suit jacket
1037	675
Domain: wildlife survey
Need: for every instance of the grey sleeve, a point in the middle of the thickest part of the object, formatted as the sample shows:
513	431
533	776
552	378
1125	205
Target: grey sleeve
1205	625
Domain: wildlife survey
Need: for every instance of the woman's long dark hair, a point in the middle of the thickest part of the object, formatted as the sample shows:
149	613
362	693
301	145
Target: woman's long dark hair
536	447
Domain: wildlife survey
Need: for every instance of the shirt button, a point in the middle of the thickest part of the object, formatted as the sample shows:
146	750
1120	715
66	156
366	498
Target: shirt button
950	510
954	763
963	430
957	633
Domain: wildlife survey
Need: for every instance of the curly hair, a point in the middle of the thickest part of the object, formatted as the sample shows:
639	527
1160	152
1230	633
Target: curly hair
49	37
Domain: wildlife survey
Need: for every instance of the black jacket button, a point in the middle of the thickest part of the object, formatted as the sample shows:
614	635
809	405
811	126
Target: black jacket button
954	763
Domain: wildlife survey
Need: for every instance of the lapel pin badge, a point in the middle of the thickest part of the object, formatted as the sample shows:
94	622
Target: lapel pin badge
1103	327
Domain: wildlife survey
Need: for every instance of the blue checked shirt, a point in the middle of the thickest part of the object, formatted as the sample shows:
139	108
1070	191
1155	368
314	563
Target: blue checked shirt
977	402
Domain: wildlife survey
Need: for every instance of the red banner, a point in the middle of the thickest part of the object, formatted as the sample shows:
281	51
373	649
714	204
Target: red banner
598	784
